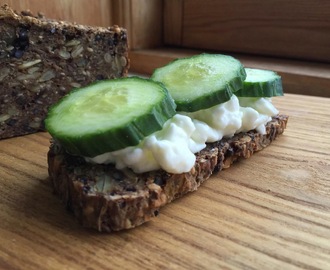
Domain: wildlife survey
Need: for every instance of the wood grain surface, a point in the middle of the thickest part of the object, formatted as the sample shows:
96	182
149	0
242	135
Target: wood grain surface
97	13
271	211
294	29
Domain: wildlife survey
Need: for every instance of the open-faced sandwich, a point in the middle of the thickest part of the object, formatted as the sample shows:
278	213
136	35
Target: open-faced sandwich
123	148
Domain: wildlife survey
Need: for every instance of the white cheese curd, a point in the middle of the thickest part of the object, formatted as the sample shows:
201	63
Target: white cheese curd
169	149
219	121
173	147
256	113
261	105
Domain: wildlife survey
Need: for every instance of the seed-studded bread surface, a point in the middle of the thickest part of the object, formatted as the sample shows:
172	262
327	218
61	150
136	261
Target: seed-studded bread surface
42	60
107	199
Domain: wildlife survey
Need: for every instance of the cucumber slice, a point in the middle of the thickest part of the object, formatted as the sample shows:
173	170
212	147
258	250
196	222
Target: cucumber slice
201	81
109	115
261	83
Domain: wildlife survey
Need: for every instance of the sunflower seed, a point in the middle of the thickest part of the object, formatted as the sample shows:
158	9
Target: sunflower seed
64	54
28	64
77	51
73	42
4	117
47	75
4	73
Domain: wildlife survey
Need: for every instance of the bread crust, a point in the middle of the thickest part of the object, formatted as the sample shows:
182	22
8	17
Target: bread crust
107	199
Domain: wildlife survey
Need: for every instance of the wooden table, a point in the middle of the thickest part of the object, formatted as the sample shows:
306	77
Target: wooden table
271	211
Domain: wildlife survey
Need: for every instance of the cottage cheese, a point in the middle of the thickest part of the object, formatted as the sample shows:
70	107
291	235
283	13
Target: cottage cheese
173	147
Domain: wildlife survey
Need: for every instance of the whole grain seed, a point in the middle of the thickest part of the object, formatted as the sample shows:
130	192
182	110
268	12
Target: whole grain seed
4	72
18	53
64	54
123	61
80	77
80	62
98	37
33	70
89	49
14	84
115	63
28	64
75	84
77	51
107	57
23	34
23	76
47	75
4	117
10	48
36	88
37	119
25	82
35	125
73	42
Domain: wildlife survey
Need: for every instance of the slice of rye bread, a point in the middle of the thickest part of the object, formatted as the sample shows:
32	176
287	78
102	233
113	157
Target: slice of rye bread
108	199
41	60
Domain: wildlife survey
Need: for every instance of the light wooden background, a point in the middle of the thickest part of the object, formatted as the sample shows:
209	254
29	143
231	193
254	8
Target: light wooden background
97	13
298	29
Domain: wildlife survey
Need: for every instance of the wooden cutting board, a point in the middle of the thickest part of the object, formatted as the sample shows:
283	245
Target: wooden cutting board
271	211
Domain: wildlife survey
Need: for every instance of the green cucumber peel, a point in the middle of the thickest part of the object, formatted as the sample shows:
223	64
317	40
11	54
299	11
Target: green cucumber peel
109	115
201	81
261	83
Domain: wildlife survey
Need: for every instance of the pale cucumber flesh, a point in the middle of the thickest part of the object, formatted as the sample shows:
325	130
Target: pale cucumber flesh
261	83
109	115
201	81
